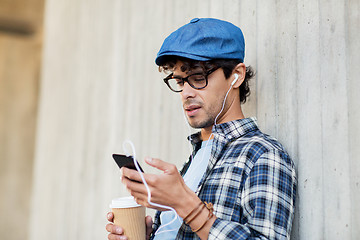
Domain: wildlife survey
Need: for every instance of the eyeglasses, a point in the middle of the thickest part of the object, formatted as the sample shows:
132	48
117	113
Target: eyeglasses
196	80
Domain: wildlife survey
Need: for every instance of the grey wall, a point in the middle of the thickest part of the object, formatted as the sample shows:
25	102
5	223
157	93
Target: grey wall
100	86
20	58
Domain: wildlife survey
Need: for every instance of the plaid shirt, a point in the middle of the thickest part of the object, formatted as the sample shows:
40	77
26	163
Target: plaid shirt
251	181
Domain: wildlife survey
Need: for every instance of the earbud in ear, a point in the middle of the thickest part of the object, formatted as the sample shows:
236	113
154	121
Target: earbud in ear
236	78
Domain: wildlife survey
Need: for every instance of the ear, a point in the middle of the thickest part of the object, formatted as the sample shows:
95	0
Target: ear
240	70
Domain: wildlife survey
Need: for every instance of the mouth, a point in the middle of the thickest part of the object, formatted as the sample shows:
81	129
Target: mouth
191	110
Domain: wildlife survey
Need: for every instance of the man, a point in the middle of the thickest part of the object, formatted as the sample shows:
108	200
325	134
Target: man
239	183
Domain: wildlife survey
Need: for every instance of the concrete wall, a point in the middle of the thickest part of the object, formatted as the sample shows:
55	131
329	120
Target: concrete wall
100	86
20	59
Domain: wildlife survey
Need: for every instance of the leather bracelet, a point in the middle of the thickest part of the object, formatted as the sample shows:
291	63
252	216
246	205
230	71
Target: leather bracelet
198	212
192	211
211	209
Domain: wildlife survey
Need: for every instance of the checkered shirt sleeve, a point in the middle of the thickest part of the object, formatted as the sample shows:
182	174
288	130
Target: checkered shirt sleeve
251	181
263	208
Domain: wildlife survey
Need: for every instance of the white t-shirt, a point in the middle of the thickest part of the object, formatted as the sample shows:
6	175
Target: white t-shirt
192	179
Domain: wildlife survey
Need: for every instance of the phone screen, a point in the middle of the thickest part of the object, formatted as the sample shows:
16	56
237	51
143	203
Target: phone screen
125	161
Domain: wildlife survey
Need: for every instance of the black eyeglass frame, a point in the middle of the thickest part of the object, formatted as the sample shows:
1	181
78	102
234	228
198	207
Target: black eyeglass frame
186	79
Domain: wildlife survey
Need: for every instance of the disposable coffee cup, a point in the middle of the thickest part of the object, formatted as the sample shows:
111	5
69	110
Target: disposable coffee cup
130	216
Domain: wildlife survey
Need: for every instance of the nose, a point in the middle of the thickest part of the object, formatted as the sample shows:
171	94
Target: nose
187	91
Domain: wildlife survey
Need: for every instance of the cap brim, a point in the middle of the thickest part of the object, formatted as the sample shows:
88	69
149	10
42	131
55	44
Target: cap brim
160	60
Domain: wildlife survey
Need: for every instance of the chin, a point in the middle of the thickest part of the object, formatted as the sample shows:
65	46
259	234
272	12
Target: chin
198	125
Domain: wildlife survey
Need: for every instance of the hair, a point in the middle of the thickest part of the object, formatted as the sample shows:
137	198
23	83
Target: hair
227	65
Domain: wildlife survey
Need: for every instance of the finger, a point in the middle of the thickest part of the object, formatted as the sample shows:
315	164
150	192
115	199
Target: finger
117	237
161	165
141	199
148	223
111	228
110	217
133	187
131	174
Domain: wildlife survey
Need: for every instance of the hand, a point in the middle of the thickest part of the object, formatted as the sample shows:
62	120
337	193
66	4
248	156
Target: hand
117	233
166	189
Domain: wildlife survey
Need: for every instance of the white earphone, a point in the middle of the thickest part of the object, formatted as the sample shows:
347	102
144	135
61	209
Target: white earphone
236	78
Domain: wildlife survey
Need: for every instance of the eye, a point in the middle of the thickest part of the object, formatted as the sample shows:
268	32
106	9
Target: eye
179	82
197	78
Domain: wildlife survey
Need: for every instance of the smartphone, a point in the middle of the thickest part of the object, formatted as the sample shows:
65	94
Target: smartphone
125	161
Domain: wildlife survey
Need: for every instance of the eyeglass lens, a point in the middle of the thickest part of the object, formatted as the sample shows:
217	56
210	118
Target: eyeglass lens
196	81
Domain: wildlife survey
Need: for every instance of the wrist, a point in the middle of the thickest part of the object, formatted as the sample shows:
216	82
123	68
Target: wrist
187	205
202	222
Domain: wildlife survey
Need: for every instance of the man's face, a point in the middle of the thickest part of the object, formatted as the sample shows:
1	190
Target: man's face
203	105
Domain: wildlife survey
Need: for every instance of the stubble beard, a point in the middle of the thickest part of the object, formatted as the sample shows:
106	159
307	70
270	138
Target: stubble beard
203	124
208	121
210	113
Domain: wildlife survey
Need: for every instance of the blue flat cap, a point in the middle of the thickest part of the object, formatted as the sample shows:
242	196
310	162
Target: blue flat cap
204	39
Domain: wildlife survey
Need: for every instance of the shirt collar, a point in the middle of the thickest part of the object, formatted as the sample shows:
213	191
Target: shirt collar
223	134
195	138
229	130
235	129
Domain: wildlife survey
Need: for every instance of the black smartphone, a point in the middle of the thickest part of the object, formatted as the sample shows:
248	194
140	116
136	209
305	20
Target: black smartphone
125	161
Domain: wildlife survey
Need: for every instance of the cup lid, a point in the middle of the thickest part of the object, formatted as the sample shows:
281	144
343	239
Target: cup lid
124	202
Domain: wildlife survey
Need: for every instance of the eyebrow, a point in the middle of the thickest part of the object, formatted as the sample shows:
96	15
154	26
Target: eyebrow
178	76
175	76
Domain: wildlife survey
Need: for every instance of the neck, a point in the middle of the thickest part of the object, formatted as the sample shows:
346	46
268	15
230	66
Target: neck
227	117
232	111
206	133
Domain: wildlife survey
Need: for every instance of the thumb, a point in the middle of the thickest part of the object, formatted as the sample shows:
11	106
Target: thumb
161	165
149	223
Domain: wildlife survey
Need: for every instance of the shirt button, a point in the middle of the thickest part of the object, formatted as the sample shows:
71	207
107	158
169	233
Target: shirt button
194	20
